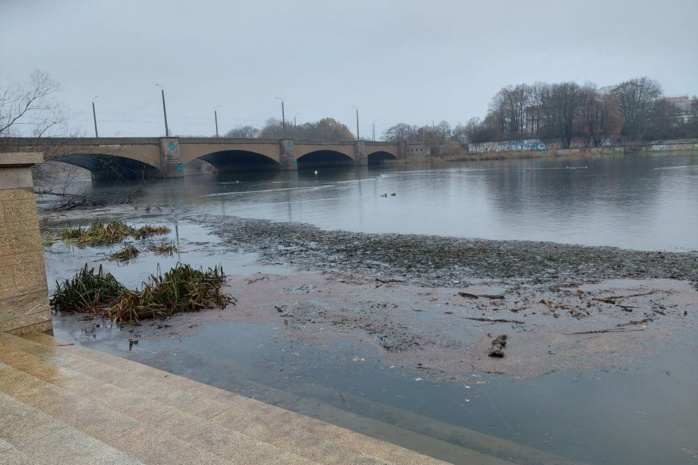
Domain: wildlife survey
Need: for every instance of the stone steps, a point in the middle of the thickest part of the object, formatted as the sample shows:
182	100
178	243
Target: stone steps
408	429
77	405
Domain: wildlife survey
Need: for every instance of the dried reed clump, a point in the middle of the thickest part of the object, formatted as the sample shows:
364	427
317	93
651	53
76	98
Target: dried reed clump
164	249
99	233
126	254
182	289
147	230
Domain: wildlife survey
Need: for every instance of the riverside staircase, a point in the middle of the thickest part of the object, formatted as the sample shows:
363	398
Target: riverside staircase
65	404
62	403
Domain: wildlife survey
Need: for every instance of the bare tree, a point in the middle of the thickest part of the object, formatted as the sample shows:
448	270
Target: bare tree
599	119
325	129
635	100
29	104
244	132
460	133
402	132
273	129
561	104
508	109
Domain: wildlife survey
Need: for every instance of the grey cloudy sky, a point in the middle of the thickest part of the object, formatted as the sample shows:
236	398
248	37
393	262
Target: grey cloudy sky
396	60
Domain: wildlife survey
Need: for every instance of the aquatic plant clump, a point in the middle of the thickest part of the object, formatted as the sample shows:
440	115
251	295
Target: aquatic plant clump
113	232
97	234
87	292
148	230
164	249
126	254
182	289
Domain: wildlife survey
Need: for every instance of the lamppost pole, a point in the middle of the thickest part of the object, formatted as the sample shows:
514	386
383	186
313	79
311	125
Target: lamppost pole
283	117
164	110
357	124
94	115
374	130
215	115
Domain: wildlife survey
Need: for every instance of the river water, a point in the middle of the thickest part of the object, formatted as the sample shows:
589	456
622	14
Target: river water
643	202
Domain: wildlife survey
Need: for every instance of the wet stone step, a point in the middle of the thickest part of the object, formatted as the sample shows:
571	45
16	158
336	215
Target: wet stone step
81	365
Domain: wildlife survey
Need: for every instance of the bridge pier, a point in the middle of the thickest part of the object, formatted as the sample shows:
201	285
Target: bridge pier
288	159
170	158
401	150
360	158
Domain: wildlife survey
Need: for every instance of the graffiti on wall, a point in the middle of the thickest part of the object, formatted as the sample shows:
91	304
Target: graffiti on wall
508	146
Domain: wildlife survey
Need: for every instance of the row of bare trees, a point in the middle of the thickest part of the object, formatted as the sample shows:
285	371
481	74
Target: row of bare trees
567	112
632	110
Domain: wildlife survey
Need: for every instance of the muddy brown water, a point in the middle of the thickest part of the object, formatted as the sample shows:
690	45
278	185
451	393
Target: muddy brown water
583	380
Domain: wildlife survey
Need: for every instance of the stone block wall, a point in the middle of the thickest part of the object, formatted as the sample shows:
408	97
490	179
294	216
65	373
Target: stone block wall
23	290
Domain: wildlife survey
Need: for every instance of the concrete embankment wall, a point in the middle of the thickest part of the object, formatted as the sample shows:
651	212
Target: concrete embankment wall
656	146
24	303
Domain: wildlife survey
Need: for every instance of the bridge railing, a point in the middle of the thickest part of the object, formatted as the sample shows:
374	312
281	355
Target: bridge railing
63	141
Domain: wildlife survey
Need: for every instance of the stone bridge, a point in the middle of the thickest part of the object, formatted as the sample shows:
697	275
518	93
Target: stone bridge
138	158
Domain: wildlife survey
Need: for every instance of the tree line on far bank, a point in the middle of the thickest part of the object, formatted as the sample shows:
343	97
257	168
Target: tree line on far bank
324	129
633	110
566	112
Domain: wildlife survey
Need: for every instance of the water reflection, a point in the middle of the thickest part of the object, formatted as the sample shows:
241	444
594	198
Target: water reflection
645	202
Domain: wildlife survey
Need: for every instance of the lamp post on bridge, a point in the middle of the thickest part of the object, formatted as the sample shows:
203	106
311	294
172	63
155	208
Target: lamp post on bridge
358	137
373	124
94	114
164	110
283	117
215	115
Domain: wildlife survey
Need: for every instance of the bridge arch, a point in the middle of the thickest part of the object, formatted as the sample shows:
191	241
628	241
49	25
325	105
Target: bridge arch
379	156
107	167
226	161
324	157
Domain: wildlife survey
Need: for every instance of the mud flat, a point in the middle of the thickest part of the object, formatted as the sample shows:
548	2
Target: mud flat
436	303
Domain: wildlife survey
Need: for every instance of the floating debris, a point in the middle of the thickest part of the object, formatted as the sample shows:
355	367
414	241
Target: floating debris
497	349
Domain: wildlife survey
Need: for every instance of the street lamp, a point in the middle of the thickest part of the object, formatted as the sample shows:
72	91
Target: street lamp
215	115
283	117
357	123
373	123
164	110
94	114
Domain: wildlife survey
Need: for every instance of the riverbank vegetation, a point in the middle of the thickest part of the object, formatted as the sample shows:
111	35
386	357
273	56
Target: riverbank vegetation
182	289
113	232
568	114
562	115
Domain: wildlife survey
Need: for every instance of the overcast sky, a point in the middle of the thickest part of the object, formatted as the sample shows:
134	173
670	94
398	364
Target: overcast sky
397	61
